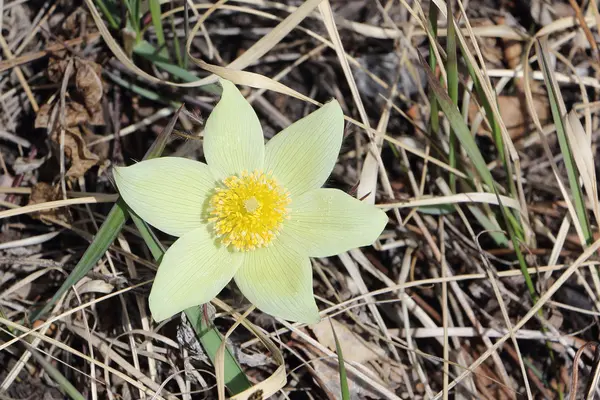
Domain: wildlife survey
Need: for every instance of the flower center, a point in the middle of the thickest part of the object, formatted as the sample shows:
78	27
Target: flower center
248	212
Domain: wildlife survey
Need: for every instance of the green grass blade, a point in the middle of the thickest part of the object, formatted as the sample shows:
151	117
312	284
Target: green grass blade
465	138
146	50
208	335
65	385
494	126
136	13
147	93
434	119
150	53
452	72
342	366
461	129
158	27
176	45
112	21
468	143
133	22
496	133
517	248
154	245
558	115
210	338
106	235
489	225
108	231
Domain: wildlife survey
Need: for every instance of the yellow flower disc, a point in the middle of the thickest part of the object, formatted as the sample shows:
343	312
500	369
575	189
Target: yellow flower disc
248	212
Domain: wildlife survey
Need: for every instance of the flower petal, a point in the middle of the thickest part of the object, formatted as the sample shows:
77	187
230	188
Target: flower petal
303	155
326	222
278	281
233	138
170	193
192	272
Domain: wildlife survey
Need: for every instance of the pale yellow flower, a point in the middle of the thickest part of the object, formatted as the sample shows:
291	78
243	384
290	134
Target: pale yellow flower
254	212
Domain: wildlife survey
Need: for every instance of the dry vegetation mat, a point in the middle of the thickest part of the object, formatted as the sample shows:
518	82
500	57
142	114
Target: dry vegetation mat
471	123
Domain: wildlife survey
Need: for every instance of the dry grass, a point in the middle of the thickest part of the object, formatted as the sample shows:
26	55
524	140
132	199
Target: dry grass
485	282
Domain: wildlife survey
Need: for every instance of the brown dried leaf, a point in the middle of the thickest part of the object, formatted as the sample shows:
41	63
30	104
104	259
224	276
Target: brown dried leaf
42	119
75	114
353	346
43	192
86	102
329	375
101	149
76	150
89	83
77	20
96	115
514	112
56	67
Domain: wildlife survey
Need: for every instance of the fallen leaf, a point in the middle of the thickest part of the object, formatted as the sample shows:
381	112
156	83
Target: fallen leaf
101	149
75	114
328	373
57	64
353	346
89	83
42	192
514	113
87	97
76	21
76	151
44	116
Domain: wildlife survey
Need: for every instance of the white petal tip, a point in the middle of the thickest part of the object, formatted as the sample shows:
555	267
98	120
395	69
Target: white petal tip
226	85
159	316
117	170
313	320
308	317
382	220
334	109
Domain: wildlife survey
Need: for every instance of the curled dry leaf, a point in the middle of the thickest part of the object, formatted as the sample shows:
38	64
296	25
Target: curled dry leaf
86	102
76	151
89	85
44	117
79	108
75	114
77	21
101	148
42	193
57	64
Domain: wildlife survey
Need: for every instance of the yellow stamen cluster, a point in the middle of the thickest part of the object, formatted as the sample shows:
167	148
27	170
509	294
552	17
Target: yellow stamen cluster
249	210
